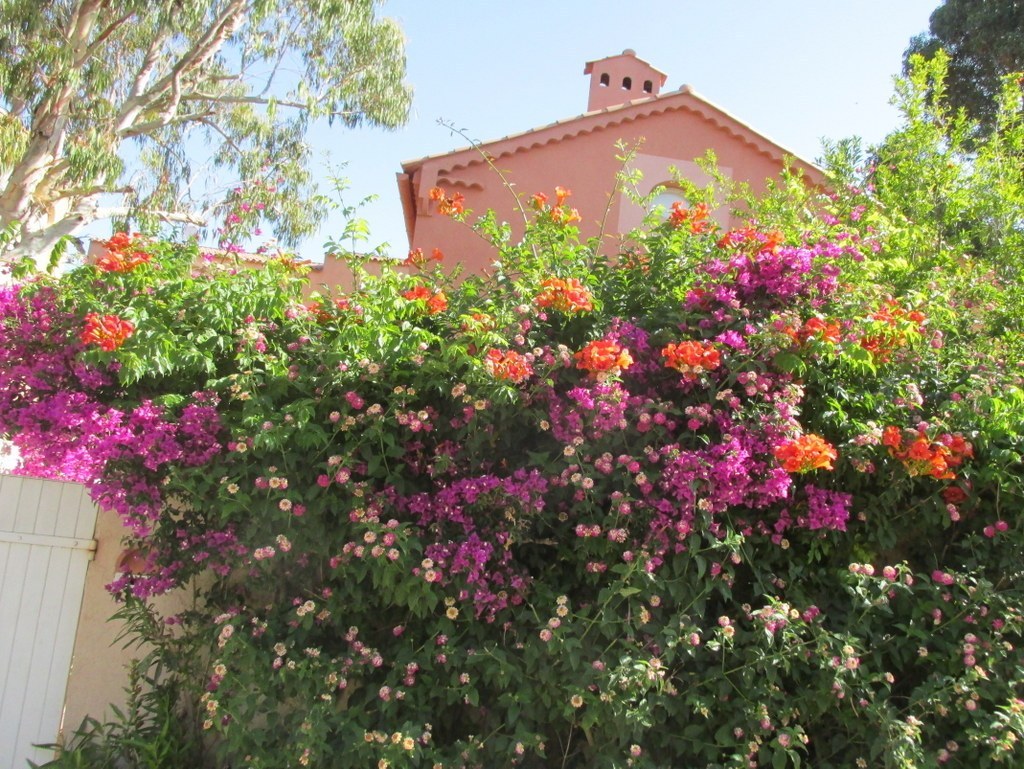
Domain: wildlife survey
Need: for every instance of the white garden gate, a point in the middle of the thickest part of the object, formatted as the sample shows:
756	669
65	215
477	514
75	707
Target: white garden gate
46	530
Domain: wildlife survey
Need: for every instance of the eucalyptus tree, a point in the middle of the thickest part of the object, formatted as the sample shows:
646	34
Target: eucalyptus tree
127	109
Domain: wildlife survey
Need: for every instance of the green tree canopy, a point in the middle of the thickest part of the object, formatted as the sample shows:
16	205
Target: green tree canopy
107	107
985	42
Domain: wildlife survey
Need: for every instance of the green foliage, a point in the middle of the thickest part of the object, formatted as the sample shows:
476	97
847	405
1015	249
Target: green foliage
984	42
443	526
949	205
148	732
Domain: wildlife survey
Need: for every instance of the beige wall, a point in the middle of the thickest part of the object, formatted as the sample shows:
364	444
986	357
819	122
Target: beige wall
99	667
98	674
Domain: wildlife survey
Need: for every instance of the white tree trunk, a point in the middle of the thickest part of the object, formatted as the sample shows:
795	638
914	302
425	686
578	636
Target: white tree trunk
38	237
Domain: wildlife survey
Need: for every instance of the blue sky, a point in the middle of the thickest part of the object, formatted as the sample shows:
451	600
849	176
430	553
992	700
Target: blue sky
795	70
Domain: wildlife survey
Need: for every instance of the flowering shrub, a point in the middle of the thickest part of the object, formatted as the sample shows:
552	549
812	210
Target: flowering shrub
123	253
691	359
433	302
815	328
417	258
509	365
922	456
603	359
805	453
454	205
566	296
696	218
627	512
108	332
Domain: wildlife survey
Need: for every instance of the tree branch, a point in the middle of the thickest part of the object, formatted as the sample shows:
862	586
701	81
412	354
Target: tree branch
145	70
102	38
229	139
182	217
261	100
17	108
53	172
216	35
80	23
277	64
85	192
141	129
219	31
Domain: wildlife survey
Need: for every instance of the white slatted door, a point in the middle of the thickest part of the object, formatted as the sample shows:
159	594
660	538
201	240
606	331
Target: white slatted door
46	530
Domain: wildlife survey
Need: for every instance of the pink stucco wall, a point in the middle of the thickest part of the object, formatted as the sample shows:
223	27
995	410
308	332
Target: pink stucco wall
669	130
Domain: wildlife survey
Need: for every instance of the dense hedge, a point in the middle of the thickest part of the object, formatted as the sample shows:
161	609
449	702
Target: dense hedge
733	498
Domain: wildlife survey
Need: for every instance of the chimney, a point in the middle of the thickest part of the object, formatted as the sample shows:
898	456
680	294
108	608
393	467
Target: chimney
619	79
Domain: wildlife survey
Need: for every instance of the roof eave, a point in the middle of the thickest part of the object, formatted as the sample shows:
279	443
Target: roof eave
639	105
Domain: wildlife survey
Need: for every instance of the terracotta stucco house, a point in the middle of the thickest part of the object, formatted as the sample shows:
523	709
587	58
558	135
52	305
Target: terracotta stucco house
626	104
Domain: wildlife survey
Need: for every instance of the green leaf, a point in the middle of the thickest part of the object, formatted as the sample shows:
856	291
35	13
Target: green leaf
789	363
